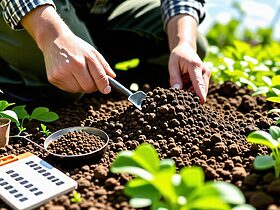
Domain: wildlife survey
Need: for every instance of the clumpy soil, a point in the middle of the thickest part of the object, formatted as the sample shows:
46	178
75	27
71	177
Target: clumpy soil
212	136
76	143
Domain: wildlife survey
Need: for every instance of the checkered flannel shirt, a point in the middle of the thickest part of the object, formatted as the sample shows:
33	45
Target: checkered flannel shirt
14	10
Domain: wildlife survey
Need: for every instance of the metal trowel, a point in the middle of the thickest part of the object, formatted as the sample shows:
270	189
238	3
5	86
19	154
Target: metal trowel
135	98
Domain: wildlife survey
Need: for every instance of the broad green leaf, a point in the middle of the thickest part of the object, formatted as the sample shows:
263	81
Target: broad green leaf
10	115
275	99
276	90
224	191
263	162
248	82
275	80
243	207
274	132
192	177
4	104
278	121
21	112
263	138
147	157
124	163
160	206
208	203
167	163
267	81
261	90
241	46
43	114
164	183
229	193
140	202
139	188
274	110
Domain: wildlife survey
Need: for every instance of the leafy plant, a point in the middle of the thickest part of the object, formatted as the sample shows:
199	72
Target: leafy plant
44	130
40	113
157	184
76	197
270	139
5	113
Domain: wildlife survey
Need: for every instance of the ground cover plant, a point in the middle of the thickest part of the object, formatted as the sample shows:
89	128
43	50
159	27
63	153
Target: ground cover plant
271	140
158	185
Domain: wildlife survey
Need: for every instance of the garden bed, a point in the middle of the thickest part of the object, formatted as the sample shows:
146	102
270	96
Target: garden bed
179	127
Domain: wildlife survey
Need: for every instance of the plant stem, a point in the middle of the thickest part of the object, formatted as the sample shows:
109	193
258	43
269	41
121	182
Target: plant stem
276	155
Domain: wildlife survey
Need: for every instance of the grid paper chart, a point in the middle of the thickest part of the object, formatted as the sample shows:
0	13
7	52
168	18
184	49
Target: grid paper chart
29	182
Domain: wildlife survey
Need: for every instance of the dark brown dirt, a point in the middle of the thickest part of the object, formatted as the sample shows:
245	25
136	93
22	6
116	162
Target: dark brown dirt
76	143
212	136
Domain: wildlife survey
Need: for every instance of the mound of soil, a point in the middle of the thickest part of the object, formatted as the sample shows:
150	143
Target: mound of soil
212	136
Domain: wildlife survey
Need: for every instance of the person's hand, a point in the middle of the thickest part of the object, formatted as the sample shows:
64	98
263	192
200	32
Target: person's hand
74	65
71	64
185	66
184	63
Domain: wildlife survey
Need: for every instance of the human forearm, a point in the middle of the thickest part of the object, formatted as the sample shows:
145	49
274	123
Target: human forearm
44	25
182	29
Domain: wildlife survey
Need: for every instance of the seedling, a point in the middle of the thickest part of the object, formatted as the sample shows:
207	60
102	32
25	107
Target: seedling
41	114
44	130
157	184
76	197
271	140
10	114
275	99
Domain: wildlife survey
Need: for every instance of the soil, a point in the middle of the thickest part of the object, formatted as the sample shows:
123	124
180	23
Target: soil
76	143
212	136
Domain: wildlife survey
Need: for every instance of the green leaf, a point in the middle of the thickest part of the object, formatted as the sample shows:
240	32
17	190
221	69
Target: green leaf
243	207
276	81
192	178
160	206
10	115
208	203
274	132
167	163
261	90
267	80
229	193
21	112
263	162
146	156
274	110
163	182
141	189
248	82
124	163
275	99
43	114
4	104
140	202
276	90
263	138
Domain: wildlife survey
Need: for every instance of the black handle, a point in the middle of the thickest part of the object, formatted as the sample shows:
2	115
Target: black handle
119	87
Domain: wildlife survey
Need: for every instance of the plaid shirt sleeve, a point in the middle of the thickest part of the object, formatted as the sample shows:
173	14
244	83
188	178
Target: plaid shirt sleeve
15	10
170	8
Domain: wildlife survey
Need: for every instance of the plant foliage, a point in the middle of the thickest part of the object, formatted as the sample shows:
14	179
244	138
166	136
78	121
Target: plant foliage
270	139
158	185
